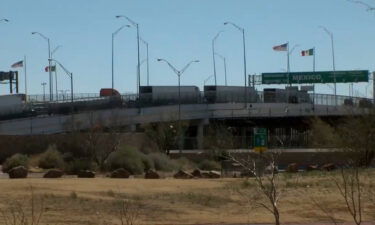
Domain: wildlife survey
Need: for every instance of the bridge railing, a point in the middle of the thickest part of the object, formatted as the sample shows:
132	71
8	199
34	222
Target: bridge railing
83	101
331	100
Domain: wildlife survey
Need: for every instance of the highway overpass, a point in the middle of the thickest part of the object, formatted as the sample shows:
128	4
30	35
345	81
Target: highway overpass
52	124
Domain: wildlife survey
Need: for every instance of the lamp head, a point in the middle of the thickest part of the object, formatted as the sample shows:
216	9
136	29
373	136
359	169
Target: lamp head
6	20
225	23
33	32
160	60
118	16
196	61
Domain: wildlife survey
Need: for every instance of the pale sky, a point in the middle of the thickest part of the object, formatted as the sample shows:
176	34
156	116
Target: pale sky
180	31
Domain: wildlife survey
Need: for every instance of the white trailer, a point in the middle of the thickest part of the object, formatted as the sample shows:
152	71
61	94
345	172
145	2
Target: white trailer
12	104
169	94
224	94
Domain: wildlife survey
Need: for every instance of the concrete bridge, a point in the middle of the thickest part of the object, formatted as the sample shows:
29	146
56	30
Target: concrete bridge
201	113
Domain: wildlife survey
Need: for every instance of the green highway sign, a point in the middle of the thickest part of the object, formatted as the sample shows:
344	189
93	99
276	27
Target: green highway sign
350	76
260	140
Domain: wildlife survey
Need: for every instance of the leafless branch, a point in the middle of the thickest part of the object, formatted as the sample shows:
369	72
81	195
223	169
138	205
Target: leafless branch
130	212
368	7
327	212
351	191
267	185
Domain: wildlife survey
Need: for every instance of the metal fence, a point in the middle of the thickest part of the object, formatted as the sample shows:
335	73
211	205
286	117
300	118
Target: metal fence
299	140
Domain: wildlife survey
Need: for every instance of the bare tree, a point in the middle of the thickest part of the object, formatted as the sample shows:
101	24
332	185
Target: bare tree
219	137
350	188
268	185
166	134
101	139
355	138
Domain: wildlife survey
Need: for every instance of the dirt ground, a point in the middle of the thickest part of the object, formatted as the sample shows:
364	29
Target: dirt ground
170	201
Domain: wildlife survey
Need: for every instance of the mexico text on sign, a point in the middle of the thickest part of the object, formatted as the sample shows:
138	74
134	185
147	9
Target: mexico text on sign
350	76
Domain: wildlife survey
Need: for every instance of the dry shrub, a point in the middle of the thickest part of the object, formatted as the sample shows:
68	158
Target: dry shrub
162	162
51	158
130	212
14	161
130	159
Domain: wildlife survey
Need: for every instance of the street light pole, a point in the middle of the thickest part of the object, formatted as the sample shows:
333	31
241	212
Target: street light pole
57	94
225	67
70	74
49	64
244	55
207	79
179	73
148	70
113	37
213	54
44	91
139	64
333	60
289	52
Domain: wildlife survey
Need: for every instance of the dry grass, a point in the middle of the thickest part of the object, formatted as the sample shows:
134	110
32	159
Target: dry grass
170	201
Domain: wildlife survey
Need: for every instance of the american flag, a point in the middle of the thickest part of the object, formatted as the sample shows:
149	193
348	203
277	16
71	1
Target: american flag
283	47
17	64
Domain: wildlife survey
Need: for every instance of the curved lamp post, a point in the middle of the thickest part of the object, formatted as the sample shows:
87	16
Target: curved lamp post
148	71
207	79
333	59
290	51
139	63
244	47
49	63
244	56
225	67
70	74
113	38
53	51
44	90
213	53
179	73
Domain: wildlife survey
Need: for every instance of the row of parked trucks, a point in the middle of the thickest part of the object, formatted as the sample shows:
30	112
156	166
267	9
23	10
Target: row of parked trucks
220	94
15	105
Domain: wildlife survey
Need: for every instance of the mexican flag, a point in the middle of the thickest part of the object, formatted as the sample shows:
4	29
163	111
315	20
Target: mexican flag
53	69
307	52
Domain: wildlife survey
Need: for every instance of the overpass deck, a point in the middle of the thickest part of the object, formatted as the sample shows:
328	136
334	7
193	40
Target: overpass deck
51	124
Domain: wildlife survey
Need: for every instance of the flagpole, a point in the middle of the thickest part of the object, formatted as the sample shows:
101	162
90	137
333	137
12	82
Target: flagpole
288	70
314	72
57	94
24	69
288	63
